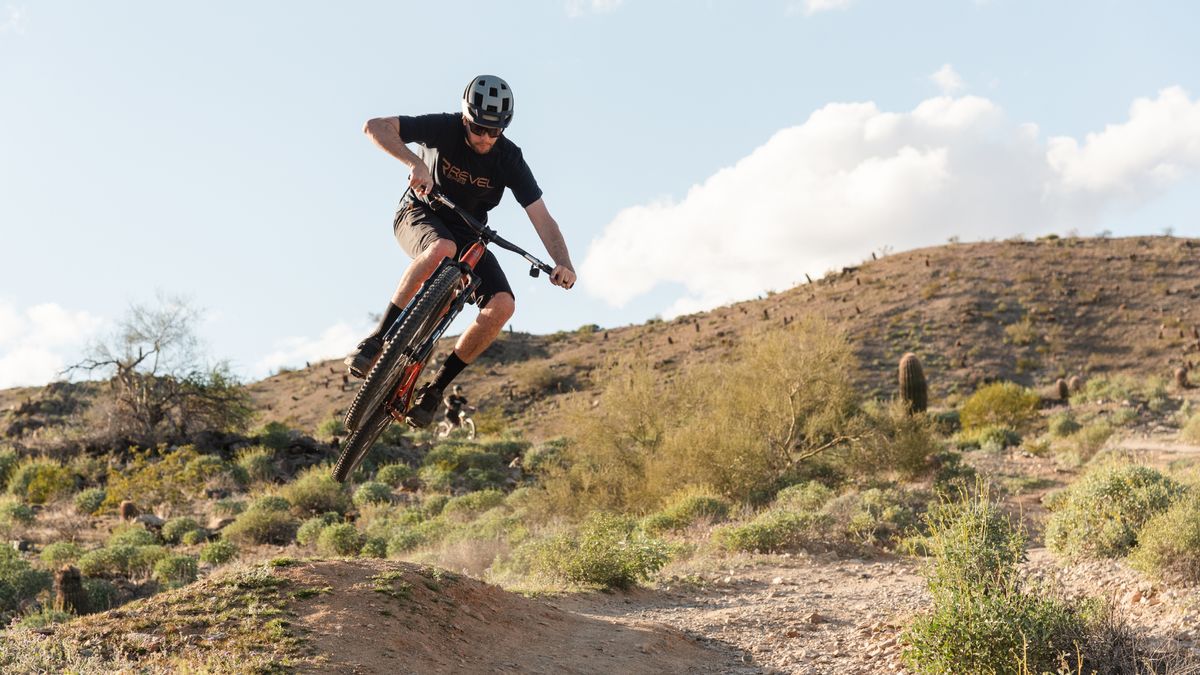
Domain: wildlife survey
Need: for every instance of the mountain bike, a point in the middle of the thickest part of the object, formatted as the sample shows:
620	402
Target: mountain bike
387	390
465	427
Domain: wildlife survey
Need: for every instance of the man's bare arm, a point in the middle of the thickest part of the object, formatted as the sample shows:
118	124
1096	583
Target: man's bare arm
552	239
385	132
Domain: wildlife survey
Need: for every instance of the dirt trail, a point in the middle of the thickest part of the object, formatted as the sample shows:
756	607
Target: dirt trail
388	617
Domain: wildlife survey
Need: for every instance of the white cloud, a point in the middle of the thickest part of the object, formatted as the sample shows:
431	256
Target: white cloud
948	79
577	8
334	342
36	343
810	7
12	19
852	179
1159	143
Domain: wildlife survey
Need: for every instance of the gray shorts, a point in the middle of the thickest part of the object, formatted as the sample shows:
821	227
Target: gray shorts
416	228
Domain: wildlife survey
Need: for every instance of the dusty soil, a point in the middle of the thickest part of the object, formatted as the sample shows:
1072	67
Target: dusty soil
788	613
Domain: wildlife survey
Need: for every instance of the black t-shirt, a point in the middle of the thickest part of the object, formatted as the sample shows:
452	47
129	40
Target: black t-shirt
473	181
455	402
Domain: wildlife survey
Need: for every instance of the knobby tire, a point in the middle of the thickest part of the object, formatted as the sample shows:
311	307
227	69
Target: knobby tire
368	415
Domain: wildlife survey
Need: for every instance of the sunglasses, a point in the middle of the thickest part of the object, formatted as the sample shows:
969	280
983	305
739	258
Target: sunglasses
478	130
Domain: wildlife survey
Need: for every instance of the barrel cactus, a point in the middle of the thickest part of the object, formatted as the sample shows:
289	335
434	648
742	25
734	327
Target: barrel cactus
914	390
1064	390
1181	378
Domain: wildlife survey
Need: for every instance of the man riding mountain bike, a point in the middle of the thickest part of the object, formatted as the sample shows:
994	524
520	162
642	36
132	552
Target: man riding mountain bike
469	158
456	405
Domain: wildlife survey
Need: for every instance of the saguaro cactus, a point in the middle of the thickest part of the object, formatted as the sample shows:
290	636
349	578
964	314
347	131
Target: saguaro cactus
69	595
914	390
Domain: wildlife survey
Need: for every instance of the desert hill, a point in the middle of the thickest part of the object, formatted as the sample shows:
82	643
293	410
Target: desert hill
1026	311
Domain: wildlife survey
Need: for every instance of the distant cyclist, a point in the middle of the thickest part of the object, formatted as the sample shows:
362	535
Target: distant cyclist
469	158
456	407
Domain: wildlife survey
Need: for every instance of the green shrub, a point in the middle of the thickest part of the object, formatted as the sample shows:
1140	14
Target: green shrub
1100	514
687	507
315	491
43	617
107	561
341	539
121	560
539	458
258	462
270	503
372	493
465	506
402	541
463	465
738	424
90	500
8	462
193	537
433	505
1085	443
374	547
176	570
210	471
608	551
101	594
1190	433
1002	404
995	438
875	516
14	512
1063	424
60	553
394	474
772	530
1168	545
132	534
894	440
218	552
230	506
144	558
18	581
311	528
156	476
807	496
262	526
332	427
174	529
983	619
1106	389
39	481
275	435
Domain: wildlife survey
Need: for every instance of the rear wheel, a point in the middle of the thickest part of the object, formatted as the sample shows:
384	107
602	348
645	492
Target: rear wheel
381	382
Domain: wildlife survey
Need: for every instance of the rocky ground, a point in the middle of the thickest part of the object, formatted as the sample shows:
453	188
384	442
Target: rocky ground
823	613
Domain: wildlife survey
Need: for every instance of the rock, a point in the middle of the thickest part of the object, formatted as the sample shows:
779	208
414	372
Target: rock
150	520
814	618
777	581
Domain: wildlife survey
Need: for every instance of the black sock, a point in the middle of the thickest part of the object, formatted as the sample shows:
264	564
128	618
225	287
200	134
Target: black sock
389	317
450	370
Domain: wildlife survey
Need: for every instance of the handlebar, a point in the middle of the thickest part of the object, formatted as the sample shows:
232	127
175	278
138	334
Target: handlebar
488	235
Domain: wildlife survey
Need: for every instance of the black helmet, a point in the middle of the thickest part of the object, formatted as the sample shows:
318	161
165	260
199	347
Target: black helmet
488	102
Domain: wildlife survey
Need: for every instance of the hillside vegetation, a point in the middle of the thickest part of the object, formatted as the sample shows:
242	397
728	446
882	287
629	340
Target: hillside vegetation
636	456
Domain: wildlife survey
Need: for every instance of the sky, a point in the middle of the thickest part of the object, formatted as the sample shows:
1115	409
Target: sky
694	153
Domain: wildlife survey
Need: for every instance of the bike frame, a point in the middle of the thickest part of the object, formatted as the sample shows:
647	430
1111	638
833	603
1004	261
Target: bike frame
400	401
